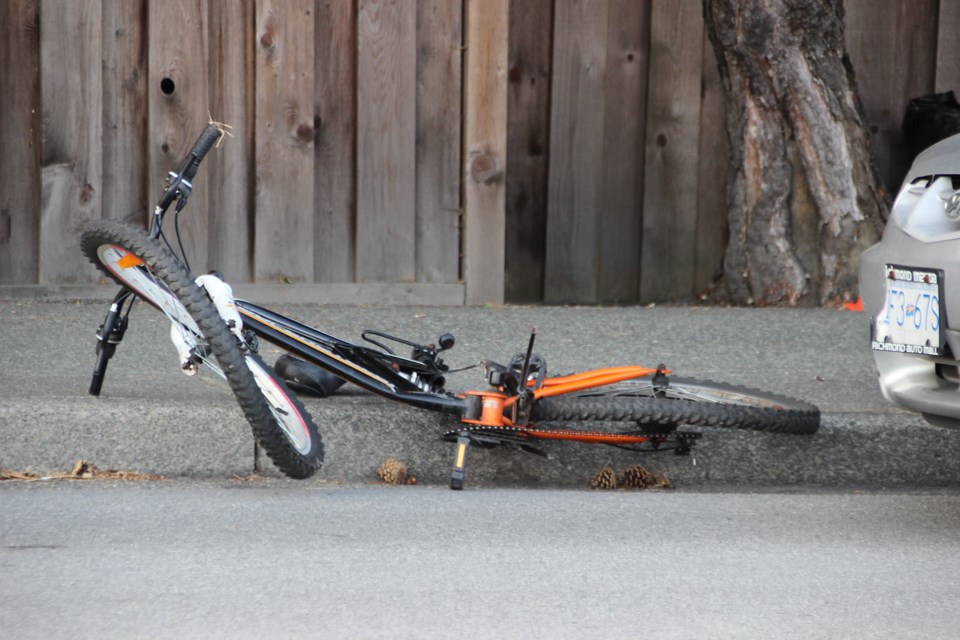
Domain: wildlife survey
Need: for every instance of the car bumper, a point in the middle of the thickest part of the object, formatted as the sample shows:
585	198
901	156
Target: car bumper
925	384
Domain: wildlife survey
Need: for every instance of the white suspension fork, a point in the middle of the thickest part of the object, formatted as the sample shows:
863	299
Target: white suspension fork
222	295
188	364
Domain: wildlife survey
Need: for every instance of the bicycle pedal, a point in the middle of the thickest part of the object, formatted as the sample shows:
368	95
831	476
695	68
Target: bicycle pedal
458	473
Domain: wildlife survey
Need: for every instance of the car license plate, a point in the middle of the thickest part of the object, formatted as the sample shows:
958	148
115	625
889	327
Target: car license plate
911	318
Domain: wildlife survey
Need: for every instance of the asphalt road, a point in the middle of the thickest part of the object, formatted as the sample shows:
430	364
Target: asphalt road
275	558
851	533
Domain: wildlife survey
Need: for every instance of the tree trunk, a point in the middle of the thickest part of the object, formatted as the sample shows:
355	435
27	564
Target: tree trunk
803	193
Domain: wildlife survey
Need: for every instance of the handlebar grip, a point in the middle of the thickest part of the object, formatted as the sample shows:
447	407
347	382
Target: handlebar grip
188	167
200	148
205	142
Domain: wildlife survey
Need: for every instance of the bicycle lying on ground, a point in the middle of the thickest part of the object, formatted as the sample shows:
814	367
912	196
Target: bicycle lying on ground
633	407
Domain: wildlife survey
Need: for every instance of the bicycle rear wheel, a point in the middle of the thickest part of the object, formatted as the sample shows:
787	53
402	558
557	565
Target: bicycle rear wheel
280	422
683	401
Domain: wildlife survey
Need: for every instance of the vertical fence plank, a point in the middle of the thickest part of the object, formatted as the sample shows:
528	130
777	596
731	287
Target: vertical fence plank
485	149
386	141
712	214
576	148
19	143
672	149
178	89
284	141
335	175
125	111
229	179
948	47
528	144
620	221
438	147
72	134
890	46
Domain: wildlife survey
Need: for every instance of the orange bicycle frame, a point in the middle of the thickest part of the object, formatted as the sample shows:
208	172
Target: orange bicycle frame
494	404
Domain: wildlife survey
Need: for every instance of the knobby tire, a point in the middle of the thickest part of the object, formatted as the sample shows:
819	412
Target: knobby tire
163	266
716	405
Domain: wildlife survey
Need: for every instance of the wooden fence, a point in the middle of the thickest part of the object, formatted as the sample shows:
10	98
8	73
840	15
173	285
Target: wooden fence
533	150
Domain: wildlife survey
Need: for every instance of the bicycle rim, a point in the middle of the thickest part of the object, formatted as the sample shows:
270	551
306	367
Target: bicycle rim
282	406
693	390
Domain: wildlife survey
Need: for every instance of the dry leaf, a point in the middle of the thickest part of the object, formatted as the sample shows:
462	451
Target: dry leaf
82	470
10	474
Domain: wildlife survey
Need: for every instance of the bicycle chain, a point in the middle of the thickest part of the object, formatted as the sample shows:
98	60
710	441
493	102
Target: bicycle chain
519	432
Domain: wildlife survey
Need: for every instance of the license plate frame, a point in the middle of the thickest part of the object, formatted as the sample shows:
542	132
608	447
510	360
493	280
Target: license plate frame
912	317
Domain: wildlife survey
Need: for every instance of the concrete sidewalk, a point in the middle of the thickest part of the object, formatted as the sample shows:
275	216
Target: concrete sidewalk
151	418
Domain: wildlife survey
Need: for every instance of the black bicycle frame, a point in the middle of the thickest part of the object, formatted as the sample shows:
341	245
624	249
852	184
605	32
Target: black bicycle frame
384	374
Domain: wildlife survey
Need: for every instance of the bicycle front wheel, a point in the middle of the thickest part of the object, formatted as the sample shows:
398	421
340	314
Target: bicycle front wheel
683	401
280	422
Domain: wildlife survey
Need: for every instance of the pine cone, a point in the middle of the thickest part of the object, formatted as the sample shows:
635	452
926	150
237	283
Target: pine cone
394	471
638	477
606	478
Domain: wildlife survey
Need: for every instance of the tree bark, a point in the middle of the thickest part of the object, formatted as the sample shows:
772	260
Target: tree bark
803	193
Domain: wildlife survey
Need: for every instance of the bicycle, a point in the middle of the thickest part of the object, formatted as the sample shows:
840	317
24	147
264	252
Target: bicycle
521	404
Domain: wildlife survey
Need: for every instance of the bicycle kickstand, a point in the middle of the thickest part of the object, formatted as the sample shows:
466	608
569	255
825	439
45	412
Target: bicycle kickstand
460	461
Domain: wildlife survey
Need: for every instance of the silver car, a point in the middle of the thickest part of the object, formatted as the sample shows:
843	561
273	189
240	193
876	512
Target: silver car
910	283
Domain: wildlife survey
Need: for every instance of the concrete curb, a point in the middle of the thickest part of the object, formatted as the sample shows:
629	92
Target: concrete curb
152	419
201	439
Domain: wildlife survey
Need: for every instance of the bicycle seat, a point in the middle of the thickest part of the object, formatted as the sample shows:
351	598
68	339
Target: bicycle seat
306	378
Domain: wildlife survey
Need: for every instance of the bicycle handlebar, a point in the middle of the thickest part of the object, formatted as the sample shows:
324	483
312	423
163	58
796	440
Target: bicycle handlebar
202	146
188	167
